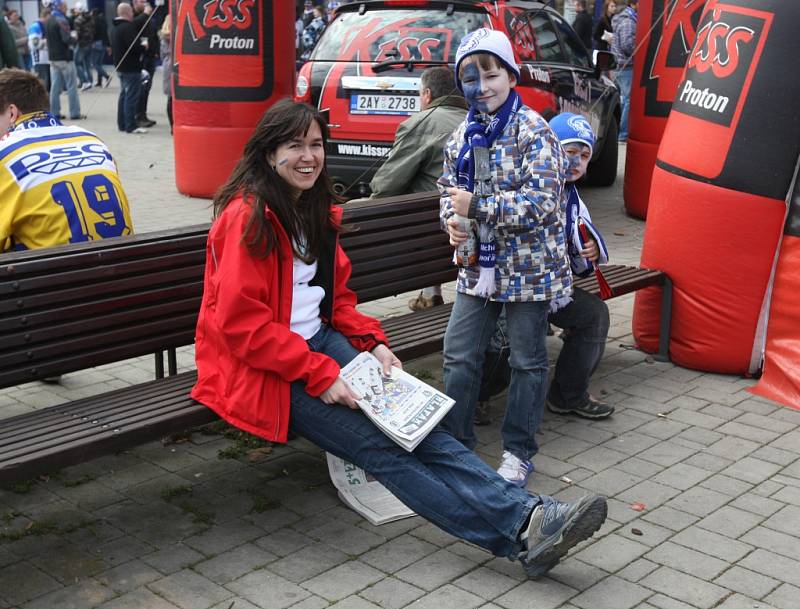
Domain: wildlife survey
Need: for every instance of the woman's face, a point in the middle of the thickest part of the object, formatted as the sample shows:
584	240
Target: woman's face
612	8
299	161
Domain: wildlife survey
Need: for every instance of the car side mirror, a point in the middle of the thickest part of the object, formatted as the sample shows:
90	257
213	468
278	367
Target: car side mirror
604	61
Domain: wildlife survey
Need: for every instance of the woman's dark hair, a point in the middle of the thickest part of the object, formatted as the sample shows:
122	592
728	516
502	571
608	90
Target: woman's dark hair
306	219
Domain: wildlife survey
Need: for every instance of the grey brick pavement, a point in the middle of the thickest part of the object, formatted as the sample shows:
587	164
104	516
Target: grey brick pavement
172	525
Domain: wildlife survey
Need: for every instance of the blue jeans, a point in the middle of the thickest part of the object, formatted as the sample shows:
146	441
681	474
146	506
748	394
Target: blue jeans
469	330
585	321
98	54
83	64
130	87
62	75
441	480
624	80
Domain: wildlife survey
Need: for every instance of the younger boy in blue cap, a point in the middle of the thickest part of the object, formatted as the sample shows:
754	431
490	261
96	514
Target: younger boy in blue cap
584	319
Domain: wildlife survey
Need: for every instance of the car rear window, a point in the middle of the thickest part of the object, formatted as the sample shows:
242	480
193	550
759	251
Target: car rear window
394	33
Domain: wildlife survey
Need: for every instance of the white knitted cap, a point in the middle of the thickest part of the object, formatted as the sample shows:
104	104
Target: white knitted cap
484	40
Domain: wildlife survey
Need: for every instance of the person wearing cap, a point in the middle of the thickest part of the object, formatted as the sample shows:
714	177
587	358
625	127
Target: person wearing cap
514	212
415	160
584	319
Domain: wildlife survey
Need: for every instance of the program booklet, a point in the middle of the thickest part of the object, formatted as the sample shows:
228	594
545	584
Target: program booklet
402	406
364	494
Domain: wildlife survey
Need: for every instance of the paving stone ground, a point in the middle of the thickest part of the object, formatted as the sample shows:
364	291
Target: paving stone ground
174	525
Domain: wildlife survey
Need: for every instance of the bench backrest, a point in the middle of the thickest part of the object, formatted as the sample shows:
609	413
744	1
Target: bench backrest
77	306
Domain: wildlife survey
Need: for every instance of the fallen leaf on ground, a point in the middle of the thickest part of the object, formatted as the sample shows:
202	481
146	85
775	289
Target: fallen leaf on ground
639	507
637	532
620	233
663	415
258	454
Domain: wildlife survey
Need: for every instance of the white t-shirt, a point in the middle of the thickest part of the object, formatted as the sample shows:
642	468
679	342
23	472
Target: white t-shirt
305	300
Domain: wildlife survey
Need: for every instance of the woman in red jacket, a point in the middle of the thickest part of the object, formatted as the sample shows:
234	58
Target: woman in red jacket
278	321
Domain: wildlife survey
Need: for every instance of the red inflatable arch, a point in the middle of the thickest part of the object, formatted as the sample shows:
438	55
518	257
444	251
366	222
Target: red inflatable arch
781	378
232	60
720	183
664	37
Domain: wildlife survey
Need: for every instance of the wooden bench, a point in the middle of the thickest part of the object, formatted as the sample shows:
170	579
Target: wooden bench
84	305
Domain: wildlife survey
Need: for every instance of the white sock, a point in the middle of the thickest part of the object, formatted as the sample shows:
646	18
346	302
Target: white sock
432	291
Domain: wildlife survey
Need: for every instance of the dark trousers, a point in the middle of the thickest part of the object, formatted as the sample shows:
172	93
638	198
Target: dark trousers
585	323
130	87
149	64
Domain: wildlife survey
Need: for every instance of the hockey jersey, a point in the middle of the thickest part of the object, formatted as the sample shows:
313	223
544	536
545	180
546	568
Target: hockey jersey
58	184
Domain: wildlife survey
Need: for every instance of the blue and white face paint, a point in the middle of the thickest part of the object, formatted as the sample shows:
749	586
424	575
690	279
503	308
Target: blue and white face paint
485	90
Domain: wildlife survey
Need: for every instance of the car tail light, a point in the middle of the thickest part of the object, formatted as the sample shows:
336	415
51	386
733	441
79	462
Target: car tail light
302	90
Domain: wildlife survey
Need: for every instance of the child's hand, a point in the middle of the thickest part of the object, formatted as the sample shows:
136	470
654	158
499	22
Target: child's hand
457	236
591	252
461	200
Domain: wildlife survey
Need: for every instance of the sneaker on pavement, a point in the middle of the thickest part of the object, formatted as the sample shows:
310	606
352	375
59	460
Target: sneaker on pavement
80	117
592	409
422	302
138	130
86	85
515	470
555	527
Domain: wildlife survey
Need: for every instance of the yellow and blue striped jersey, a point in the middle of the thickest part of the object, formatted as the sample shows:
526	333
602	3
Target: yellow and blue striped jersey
58	184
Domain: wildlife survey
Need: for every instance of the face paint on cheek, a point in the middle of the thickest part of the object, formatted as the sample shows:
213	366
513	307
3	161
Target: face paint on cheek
282	162
472	88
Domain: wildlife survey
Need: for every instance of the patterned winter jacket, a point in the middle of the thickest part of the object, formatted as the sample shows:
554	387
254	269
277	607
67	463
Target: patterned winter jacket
526	211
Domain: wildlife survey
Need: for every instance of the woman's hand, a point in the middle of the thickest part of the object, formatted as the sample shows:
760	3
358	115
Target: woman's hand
457	236
386	358
340	393
591	252
461	200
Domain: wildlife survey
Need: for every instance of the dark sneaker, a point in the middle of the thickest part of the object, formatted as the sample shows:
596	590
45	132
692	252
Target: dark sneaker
555	527
421	302
592	409
482	414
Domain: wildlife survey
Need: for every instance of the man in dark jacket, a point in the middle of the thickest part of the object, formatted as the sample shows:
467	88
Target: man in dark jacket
415	161
9	58
582	24
62	69
124	36
144	23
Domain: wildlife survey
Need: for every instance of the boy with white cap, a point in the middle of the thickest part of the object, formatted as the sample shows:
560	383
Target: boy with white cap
504	171
585	318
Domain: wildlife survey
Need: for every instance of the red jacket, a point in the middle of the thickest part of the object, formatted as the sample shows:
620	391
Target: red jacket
245	352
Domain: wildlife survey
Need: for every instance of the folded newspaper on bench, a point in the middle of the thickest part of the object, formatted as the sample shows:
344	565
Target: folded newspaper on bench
402	406
364	494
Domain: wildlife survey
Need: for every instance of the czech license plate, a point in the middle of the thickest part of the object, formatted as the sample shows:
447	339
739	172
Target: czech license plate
384	104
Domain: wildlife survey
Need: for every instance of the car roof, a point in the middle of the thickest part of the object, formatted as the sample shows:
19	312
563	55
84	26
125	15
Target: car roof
524	4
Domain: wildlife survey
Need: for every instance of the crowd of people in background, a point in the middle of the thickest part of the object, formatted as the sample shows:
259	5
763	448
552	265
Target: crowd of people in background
68	49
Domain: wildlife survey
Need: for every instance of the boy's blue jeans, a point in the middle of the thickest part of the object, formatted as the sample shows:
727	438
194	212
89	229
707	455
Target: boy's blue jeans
469	330
585	321
441	480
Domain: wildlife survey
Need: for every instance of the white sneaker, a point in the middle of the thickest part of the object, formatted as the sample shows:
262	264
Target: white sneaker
139	130
86	85
515	470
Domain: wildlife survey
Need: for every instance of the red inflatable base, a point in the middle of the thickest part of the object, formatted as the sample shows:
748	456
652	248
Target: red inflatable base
207	157
640	158
781	378
717	245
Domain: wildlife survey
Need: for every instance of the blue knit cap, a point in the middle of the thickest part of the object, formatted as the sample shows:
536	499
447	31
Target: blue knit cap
571	127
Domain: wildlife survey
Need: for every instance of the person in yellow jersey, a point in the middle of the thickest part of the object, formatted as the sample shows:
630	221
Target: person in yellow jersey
58	183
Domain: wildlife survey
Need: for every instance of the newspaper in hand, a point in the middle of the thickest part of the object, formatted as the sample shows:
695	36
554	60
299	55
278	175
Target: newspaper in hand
402	406
364	494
